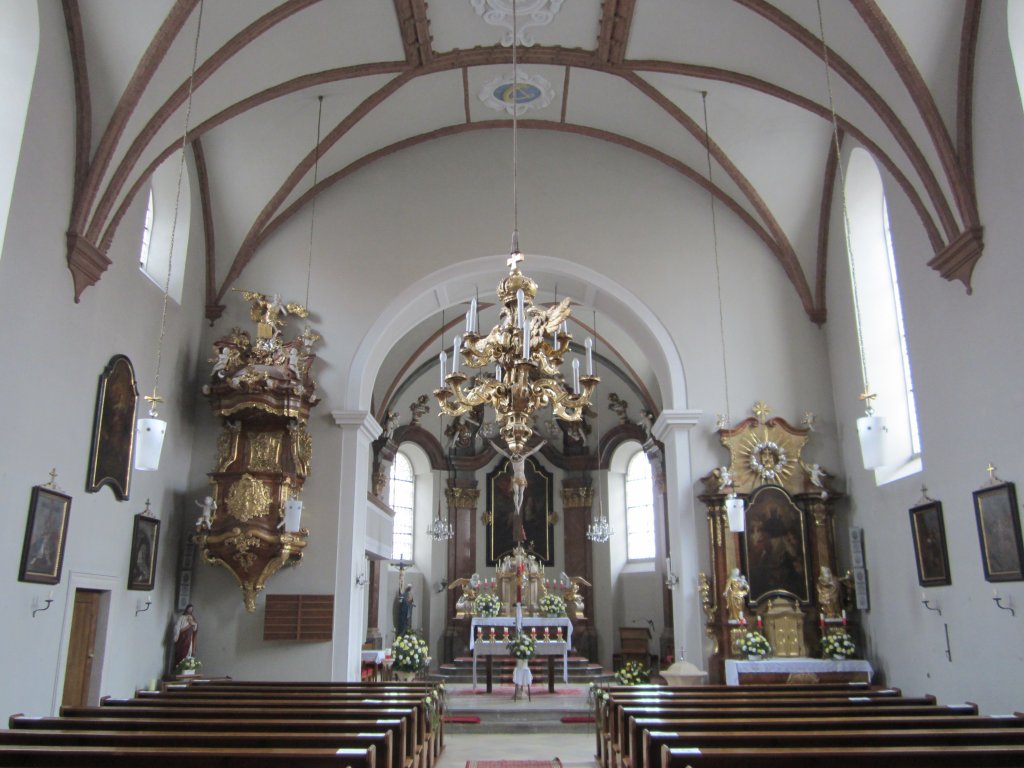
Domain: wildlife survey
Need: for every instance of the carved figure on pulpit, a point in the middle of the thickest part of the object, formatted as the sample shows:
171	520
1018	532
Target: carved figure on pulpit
828	594
736	591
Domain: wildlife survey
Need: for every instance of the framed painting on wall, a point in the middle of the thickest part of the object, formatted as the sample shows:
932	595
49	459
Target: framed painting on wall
142	562
534	524
929	533
113	434
1002	553
42	555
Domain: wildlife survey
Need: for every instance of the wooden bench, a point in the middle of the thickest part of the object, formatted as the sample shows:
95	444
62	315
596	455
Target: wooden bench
974	756
51	756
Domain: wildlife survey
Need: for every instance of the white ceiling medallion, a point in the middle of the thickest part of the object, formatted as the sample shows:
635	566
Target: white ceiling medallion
531	13
531	92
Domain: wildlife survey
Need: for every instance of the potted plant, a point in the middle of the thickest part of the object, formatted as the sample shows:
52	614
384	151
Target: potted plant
188	666
522	646
838	645
486	605
552	605
633	673
410	654
754	644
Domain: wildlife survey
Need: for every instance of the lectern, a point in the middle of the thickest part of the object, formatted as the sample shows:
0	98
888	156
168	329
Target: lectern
633	642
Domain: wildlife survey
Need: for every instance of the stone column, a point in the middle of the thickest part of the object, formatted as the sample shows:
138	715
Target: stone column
577	503
656	457
684	531
462	505
358	431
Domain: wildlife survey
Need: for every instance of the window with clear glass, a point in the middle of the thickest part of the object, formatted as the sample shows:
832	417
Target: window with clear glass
165	230
639	508
147	233
881	334
401	499
1015	32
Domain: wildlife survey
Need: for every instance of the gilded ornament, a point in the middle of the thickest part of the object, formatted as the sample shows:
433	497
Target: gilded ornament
579	496
227	445
244	544
265	452
462	498
302	448
248	498
380	481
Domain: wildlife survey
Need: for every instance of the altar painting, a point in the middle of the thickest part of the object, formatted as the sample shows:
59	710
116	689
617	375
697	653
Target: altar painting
775	546
502	522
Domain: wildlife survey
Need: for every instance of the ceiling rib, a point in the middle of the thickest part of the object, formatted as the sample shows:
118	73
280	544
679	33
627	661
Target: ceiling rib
824	226
213	309
83	98
965	97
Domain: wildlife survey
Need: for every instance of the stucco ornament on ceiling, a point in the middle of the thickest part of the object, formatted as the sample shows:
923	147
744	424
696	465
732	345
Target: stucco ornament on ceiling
531	92
531	13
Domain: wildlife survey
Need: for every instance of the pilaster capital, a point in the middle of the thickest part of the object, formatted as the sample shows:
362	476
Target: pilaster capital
360	420
578	496
669	422
462	498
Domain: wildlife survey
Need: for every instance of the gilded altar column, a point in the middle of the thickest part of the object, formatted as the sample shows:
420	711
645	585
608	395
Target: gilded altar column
577	501
358	430
820	510
462	497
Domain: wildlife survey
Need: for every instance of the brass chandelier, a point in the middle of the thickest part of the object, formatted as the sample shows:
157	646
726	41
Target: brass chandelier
526	348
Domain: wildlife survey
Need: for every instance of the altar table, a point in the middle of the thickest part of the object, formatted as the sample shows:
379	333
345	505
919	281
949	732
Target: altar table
550	648
738	671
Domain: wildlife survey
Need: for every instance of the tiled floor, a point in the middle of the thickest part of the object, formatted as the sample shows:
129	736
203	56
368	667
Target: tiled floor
575	750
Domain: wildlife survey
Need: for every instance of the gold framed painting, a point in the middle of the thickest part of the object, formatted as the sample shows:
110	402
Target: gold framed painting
929	532
42	555
142	562
113	434
1002	553
534	523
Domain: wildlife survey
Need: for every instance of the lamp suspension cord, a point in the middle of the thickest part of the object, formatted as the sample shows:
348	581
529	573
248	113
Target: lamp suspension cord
846	213
174	220
718	272
312	215
597	448
515	131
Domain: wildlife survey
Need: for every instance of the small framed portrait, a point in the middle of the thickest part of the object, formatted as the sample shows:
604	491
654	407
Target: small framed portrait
929	533
42	555
1002	553
142	564
113	432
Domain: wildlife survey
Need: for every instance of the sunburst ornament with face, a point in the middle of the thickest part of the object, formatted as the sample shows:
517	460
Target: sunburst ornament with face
768	460
765	451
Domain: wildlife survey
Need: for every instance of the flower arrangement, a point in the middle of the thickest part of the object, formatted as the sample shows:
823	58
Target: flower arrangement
753	643
189	663
487	605
596	696
837	644
633	673
552	605
522	646
410	653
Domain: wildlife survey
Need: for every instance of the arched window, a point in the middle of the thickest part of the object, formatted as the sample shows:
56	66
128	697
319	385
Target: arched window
639	509
1015	31
402	499
160	218
882	334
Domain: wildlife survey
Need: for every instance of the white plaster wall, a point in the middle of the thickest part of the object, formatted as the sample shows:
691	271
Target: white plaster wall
55	351
966	353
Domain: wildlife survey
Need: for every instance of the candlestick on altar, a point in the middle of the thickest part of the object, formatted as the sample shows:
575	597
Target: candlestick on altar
844	617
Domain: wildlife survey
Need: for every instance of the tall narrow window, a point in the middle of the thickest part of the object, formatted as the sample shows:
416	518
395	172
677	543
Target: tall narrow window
883	339
1015	31
401	499
147	233
162	211
639	508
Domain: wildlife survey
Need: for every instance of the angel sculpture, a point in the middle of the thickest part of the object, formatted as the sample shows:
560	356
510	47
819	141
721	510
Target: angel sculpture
268	312
546	322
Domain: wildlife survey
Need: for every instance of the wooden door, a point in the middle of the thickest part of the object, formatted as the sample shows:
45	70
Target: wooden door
81	648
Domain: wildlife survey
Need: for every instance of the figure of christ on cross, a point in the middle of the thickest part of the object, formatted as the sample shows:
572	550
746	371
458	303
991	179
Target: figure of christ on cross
518	463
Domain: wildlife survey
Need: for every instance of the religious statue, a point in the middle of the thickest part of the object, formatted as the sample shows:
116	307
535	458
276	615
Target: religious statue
403	619
268	313
186	633
518	463
724	478
646	422
736	591
390	425
209	507
419	409
828	594
618	406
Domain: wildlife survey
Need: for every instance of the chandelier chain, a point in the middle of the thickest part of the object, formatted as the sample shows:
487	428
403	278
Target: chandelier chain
174	219
846	213
515	132
718	272
312	205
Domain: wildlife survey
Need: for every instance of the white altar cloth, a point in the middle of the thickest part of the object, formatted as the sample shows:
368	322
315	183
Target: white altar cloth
527	621
734	667
544	648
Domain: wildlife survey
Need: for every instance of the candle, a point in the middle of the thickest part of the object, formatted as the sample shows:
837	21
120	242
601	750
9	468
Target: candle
759	625
520	309
526	342
924	597
49	596
576	376
497	373
443	360
456	345
821	620
590	356
471	316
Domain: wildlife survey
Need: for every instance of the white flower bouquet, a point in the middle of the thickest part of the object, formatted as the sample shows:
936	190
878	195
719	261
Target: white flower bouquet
487	605
522	646
753	643
410	653
837	644
188	663
552	605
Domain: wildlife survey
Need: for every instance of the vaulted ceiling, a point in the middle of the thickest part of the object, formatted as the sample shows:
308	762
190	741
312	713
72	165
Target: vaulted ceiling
398	73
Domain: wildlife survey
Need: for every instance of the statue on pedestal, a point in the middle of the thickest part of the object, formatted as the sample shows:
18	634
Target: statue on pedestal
736	591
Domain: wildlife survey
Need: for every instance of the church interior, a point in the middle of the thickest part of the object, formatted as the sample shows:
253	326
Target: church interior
751	359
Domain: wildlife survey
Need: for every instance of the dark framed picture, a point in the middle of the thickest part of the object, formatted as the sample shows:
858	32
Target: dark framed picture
775	546
1002	552
929	532
534	524
42	555
113	432
142	564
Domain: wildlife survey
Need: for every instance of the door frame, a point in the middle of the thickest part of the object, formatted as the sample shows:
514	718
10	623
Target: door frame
110	598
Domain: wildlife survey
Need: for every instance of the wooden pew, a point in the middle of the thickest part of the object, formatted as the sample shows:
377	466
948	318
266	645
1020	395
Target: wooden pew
182	757
185	728
973	756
